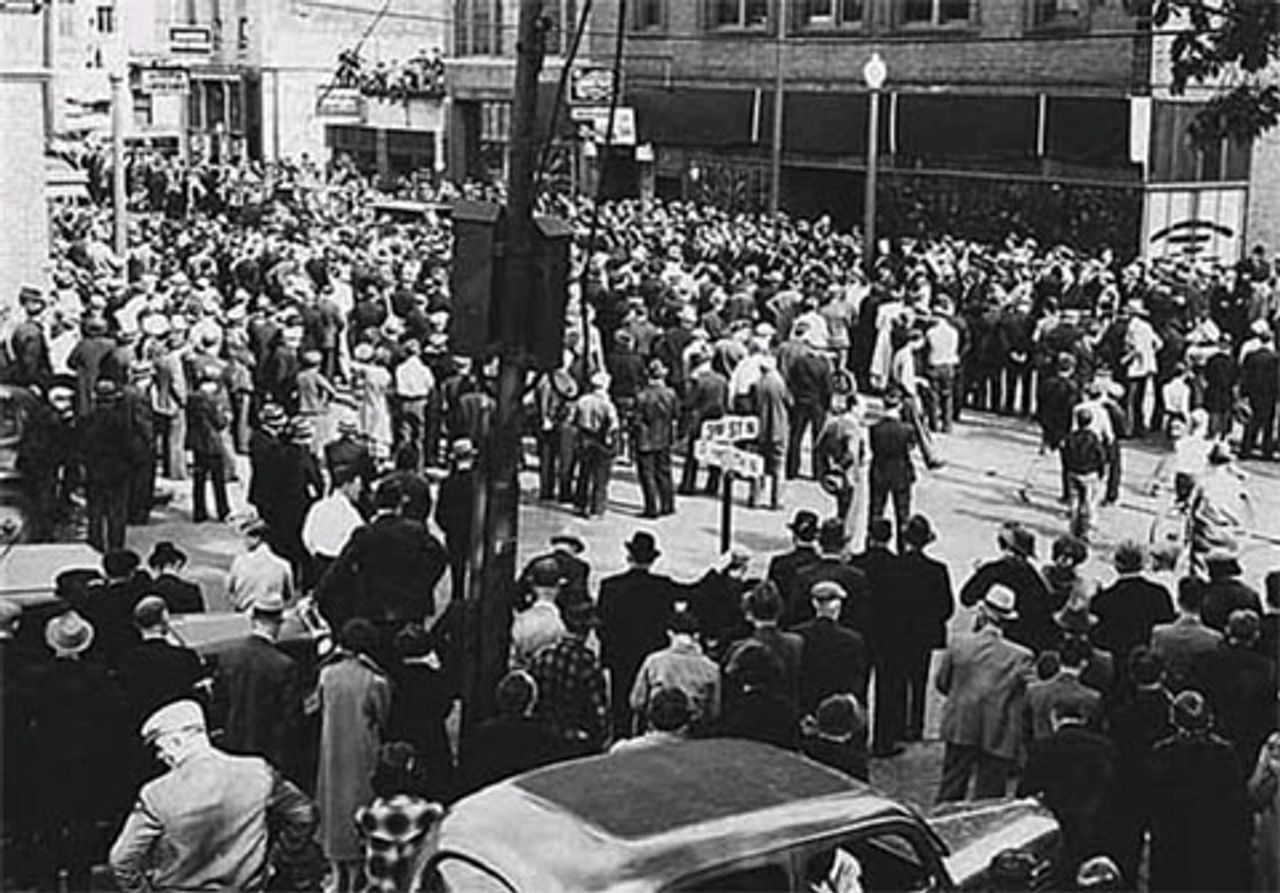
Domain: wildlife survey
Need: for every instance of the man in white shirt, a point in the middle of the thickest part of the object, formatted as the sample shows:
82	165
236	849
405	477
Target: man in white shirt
1141	346
942	340
331	521
414	385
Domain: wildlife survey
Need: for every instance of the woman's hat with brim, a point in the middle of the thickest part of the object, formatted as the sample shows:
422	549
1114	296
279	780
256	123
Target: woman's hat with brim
918	531
570	539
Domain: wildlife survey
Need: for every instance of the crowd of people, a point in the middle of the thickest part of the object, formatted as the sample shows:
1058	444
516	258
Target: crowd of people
272	324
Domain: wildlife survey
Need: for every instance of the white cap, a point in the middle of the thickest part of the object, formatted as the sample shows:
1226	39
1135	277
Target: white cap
175	717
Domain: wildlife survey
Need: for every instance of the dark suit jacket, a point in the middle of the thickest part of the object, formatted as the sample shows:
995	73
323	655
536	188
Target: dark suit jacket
808	377
349	453
1044	695
655	417
155	673
180	596
634	607
387	572
1034	627
1221	597
455	506
785	569
706	397
855	612
258	699
1071	770
924	598
891	463
833	660
787	649
886	623
1127	611
1179	644
1241	687
205	422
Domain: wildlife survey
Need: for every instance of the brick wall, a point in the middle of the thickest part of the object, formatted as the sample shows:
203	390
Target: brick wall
24	245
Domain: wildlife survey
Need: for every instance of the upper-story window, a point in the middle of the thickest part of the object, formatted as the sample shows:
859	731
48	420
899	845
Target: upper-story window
832	13
935	13
648	15
1058	13
562	16
752	14
105	19
478	28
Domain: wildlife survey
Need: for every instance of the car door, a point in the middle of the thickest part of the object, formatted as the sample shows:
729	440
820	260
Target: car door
759	874
886	857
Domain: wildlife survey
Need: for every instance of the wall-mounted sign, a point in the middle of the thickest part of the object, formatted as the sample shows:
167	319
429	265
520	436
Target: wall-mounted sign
164	81
340	104
190	40
20	6
591	85
597	117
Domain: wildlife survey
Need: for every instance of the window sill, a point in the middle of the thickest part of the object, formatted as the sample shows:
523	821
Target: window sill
858	30
738	31
1053	29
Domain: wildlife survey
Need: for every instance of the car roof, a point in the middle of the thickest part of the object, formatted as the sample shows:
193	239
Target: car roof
649	816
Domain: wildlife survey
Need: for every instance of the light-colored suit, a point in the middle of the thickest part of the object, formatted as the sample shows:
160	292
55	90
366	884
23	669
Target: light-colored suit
984	677
203	825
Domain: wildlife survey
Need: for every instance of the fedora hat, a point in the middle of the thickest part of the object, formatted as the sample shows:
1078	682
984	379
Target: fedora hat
642	547
918	531
1000	603
804	524
68	634
570	539
179	716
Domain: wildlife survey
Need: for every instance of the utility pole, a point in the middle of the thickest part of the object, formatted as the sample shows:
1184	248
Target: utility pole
779	96
490	592
119	194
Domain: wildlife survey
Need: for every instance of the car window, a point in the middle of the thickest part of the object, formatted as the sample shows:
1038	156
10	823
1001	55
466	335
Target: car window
763	879
451	874
870	862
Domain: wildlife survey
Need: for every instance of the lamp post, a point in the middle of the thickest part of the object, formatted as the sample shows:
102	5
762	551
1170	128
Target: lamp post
874	74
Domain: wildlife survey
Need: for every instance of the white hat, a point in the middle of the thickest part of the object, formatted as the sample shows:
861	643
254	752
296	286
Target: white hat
176	717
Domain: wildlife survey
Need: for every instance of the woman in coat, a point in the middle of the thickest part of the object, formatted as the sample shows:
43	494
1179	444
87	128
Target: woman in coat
355	705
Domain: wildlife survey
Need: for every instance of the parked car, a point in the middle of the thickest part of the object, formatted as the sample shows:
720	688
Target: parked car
724	815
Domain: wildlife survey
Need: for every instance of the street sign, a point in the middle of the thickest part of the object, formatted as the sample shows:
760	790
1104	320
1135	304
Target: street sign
731	428
190	40
339	104
164	81
726	456
591	85
20	6
597	116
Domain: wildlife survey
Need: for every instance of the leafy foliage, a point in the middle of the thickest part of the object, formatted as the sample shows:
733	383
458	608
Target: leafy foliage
1234	43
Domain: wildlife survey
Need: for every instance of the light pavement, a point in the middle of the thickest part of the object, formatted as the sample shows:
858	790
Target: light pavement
967	500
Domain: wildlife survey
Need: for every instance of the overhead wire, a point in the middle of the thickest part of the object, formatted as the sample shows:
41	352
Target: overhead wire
544	156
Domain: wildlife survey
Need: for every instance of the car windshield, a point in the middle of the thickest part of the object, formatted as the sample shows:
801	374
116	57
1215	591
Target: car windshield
455	874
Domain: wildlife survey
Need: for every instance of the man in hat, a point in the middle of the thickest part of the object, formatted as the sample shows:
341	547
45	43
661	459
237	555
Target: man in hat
984	678
634	607
258	571
169	392
681	666
266	445
455	511
596	432
706	398
1260	386
206	421
572	686
1085	460
1034	627
257	690
1076	622
1141	346
566	551
553	398
1055	407
86	357
208	821
892	472
942	343
1200	817
807	374
840	452
1225	592
835	735
833	564
1240	685
1132	606
657	408
108	463
785	569
28	344
1064	686
180	596
834	659
349	450
158	670
923	596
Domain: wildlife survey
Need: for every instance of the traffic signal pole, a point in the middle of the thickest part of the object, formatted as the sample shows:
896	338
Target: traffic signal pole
490	593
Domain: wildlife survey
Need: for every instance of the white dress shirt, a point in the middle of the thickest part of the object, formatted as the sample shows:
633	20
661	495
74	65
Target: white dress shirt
329	524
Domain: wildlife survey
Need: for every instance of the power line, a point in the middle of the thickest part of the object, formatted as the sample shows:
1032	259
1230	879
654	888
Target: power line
377	19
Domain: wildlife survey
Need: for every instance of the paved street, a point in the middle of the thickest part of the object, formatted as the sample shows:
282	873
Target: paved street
967	500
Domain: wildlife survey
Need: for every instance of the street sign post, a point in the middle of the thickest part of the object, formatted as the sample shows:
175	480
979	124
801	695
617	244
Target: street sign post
718	448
